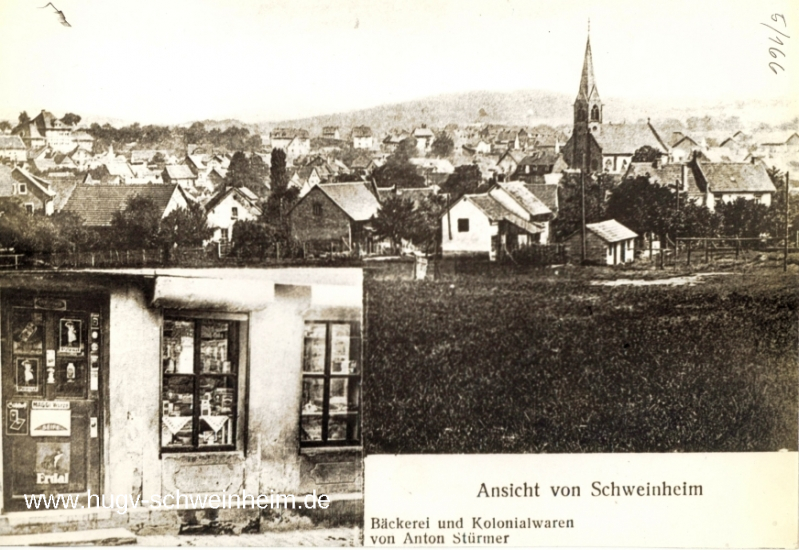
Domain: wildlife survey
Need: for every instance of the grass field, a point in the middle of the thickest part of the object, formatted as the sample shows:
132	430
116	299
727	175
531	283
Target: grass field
493	359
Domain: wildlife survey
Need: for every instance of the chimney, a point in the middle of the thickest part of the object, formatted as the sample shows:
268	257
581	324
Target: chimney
557	146
753	159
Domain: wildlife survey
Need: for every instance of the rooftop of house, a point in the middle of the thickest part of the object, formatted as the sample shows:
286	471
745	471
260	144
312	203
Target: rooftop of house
524	197
97	204
546	193
179	172
361	132
496	211
736	177
665	174
288	133
9	142
611	231
354	198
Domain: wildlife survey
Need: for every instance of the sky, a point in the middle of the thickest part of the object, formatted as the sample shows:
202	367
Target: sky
175	61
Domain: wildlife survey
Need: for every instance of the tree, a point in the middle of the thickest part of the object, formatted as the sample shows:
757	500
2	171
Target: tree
646	154
394	219
24	118
252	239
425	224
403	175
643	206
138	225
569	218
184	227
5	126
239	173
442	146
406	150
70	119
744	218
196	133
693	220
464	180
278	175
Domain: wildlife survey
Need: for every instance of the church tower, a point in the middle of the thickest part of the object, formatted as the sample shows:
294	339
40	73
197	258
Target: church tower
587	117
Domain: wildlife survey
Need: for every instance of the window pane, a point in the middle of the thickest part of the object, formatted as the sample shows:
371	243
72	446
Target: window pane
313	391
340	348
215	347
311	428
178	402
341	428
314	357
217	410
178	352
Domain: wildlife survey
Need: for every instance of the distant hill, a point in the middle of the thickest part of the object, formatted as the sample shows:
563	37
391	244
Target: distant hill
532	107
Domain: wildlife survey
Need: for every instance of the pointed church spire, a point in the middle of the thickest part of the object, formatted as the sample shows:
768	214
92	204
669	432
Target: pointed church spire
587	81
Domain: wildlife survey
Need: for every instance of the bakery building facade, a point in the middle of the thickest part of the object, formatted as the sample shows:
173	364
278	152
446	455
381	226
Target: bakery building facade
147	382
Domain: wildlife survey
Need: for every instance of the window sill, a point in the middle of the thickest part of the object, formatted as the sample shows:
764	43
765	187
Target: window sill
202	456
314	451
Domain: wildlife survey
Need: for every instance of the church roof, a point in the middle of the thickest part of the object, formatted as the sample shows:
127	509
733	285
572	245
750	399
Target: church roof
625	139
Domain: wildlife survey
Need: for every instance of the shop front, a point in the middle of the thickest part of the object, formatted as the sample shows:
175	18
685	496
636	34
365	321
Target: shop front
150	383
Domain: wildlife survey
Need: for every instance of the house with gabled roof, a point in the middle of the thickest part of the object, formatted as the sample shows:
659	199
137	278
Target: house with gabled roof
424	138
729	181
294	141
179	174
606	243
336	217
229	206
509	161
506	217
331	132
46	129
35	193
362	137
12	149
97	204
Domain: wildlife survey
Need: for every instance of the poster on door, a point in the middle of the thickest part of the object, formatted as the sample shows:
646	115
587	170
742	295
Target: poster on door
27	375
17	418
51	421
28	330
70	337
52	463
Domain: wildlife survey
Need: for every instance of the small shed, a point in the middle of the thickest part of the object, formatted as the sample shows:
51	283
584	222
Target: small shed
606	243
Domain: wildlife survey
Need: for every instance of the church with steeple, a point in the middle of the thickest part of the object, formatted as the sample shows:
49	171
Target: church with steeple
598	146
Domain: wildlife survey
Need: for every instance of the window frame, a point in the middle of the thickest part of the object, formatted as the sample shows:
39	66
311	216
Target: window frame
317	209
463	228
241	375
22	189
327	376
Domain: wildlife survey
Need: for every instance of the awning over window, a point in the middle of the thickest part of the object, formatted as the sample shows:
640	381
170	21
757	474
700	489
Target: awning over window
227	294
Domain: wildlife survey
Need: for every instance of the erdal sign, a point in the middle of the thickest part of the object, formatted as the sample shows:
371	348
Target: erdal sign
52	479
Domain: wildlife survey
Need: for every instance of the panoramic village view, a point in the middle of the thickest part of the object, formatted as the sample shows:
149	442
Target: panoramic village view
488	286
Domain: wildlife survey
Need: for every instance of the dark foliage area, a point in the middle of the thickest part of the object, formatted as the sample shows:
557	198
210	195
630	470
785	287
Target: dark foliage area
516	362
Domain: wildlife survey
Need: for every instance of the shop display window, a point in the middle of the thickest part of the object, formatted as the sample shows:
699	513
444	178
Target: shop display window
331	384
202	366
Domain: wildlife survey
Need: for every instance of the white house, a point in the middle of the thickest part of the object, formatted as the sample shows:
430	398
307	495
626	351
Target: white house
505	218
228	207
362	137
